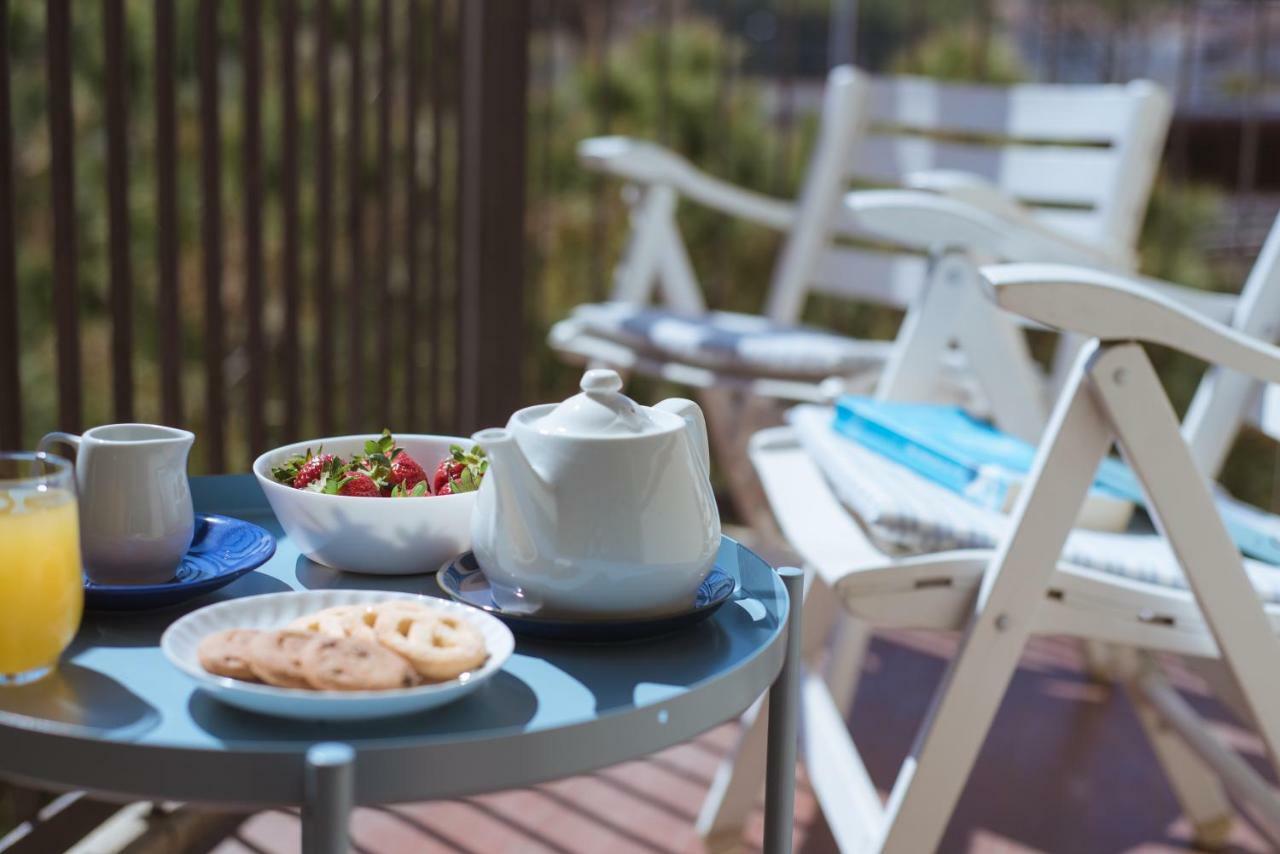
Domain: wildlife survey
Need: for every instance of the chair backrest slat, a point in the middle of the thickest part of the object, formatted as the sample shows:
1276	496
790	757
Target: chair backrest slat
1082	158
1033	174
1096	114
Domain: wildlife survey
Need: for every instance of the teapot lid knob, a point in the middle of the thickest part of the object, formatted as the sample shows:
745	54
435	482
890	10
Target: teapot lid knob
601	380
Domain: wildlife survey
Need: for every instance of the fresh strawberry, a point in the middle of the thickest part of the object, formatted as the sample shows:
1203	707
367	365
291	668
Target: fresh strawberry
303	470
459	472
357	486
405	471
382	470
311	471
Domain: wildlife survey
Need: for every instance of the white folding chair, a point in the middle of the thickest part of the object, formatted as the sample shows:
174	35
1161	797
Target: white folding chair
1029	172
1027	585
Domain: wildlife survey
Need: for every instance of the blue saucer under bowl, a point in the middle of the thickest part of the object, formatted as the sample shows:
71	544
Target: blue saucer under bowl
465	582
222	550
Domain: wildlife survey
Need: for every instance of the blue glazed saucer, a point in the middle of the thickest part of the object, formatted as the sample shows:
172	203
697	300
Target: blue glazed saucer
222	550
464	581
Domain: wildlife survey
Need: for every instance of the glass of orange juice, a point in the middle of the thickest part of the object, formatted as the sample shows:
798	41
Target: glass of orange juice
41	591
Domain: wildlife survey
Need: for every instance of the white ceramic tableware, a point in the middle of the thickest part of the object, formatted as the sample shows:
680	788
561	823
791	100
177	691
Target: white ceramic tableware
276	610
136	517
597	506
377	536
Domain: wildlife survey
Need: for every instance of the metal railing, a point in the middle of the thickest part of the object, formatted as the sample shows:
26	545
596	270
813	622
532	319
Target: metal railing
286	234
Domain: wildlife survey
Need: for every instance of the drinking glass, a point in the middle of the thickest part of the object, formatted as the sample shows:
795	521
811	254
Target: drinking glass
41	591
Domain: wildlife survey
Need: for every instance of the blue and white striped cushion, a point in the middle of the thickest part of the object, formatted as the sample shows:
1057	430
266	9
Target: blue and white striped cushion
725	341
906	512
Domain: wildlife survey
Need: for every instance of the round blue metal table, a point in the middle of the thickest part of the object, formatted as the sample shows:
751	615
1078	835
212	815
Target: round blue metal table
117	719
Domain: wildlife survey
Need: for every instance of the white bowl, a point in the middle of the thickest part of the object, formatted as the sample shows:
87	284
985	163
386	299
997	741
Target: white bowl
276	610
378	536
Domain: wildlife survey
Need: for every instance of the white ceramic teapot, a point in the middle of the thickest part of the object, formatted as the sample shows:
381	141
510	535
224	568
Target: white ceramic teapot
597	506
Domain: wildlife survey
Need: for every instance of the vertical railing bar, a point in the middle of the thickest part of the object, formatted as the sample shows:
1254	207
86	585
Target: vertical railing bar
1250	123
982	39
353	397
435	283
545	159
494	62
1042	39
1055	32
457	287
214	437
290	381
168	307
538	247
456	95
10	379
326	374
385	333
255	384
1124	33
724	121
599	231
1109	60
843	24
413	70
120	294
786	113
65	292
664	70
1179	146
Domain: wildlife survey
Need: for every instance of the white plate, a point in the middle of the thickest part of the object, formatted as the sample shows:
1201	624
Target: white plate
276	610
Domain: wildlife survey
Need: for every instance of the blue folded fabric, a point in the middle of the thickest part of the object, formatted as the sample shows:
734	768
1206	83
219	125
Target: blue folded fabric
974	459
952	448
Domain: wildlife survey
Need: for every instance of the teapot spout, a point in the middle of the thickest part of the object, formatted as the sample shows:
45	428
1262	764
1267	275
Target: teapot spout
510	471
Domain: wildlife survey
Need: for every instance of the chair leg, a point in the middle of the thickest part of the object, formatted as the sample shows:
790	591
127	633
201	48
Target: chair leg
1126	386
1197	788
1013	587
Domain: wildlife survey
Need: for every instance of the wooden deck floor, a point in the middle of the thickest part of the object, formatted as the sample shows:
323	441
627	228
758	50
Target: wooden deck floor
1065	769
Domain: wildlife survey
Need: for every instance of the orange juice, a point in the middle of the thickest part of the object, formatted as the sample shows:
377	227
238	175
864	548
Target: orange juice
41	592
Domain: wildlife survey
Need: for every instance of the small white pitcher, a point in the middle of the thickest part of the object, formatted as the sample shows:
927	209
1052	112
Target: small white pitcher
136	519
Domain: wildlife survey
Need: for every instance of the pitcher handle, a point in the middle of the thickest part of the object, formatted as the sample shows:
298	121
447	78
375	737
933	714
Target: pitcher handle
695	426
49	439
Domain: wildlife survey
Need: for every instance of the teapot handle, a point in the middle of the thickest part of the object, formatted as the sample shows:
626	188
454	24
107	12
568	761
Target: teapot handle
695	426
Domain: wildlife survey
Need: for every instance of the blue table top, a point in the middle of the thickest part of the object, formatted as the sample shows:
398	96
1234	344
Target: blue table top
114	687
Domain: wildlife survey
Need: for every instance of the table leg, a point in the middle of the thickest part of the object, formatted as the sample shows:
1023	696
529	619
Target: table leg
784	712
329	792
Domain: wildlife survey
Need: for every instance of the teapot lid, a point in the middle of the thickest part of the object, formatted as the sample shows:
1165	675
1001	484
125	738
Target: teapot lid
600	410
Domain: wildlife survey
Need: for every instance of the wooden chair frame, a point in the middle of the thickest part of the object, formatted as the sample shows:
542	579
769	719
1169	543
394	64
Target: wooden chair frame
840	557
876	129
999	599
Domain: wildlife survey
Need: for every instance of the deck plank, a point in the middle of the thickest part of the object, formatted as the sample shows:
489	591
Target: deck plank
1065	770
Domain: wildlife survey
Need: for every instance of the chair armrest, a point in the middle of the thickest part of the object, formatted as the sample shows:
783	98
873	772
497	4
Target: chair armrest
644	162
927	221
968	188
1118	308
